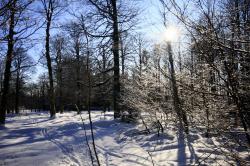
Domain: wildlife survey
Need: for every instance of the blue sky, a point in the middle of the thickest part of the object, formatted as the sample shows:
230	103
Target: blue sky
150	25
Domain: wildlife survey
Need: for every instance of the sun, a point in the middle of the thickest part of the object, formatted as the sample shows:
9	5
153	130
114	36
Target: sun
172	34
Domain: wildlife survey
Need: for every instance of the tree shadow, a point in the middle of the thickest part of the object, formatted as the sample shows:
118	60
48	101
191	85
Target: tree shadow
37	121
193	157
181	154
33	135
28	135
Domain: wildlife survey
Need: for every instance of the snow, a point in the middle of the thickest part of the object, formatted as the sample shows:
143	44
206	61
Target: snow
35	139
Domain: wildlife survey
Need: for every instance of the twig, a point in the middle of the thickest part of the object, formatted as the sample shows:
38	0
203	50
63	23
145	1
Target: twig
86	138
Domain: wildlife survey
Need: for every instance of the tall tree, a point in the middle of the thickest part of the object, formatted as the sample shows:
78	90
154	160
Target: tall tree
22	63
58	46
7	73
115	49
181	114
21	25
77	45
112	14
51	8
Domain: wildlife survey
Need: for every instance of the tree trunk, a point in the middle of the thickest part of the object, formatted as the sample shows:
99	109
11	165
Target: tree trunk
60	94
51	86
89	104
104	77
60	86
7	72
17	91
59	74
140	57
181	114
122	55
115	49
78	85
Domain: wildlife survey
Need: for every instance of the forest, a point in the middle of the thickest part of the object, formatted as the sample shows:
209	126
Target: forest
121	82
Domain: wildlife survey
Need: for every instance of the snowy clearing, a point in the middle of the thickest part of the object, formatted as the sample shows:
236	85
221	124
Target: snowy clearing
34	139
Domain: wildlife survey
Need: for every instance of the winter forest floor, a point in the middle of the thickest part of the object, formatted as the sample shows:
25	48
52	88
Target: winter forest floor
34	139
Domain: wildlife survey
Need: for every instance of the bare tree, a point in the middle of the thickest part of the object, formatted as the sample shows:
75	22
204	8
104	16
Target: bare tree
22	63
51	8
58	46
77	50
19	28
181	114
7	72
112	14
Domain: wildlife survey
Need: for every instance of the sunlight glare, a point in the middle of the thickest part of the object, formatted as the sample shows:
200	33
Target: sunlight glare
172	34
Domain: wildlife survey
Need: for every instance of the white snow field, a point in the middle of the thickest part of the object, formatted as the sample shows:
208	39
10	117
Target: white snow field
33	139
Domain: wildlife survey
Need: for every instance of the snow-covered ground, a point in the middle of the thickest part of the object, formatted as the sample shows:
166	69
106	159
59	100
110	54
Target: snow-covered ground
35	139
